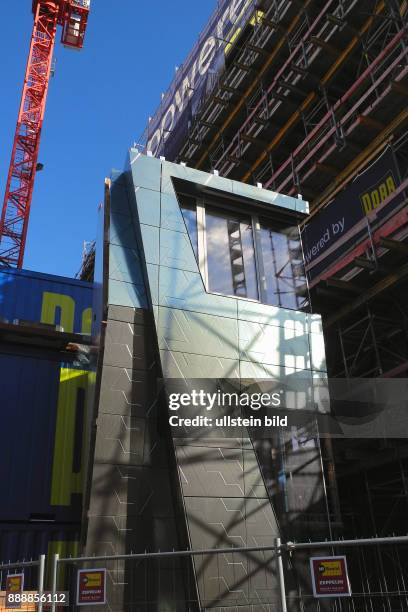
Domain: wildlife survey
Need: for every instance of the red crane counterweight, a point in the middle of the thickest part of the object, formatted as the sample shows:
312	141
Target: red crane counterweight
72	15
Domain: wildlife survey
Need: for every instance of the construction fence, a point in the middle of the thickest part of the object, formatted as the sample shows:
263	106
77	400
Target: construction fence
361	575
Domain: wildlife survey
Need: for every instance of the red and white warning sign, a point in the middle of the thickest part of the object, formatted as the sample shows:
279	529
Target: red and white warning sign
91	587
329	577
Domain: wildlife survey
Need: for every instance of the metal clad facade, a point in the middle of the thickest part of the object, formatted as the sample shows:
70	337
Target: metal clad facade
31	296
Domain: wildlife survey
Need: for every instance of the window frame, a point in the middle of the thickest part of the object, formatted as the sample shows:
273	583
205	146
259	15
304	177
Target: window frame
202	202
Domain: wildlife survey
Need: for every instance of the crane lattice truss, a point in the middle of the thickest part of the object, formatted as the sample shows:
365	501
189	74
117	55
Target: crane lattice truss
72	16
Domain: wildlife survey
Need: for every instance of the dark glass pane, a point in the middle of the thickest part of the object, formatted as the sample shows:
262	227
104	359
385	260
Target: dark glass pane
230	255
190	218
283	267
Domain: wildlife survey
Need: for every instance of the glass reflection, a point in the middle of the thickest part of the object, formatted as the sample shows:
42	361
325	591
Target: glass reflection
231	260
189	211
283	267
230	255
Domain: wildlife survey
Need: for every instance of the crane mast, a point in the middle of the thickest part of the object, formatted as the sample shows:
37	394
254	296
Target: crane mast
72	15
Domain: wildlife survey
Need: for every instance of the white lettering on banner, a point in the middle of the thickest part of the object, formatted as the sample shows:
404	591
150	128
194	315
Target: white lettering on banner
207	55
166	128
204	59
335	229
186	92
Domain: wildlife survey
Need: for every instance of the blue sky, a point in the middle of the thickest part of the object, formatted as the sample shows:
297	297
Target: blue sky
98	104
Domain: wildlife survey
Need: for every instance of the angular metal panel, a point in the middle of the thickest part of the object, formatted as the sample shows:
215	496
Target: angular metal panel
127	294
273	345
112	534
127	346
126	490
186	365
121	439
129	440
298	386
263	195
125	265
127	392
176	251
138	316
181	330
219	472
146	171
151	243
119	198
217	522
208	472
170	170
122	231
271	315
262	529
185	290
148	206
171	216
153	281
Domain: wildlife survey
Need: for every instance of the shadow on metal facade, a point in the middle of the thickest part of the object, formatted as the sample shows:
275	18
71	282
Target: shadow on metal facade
150	490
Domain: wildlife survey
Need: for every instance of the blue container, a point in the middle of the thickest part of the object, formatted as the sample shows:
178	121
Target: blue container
42	450
37	297
19	542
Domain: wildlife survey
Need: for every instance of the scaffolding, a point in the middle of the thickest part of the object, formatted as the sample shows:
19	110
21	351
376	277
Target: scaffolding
292	62
312	93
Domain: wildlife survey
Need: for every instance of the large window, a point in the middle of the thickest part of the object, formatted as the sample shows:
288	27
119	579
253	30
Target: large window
283	269
230	254
246	256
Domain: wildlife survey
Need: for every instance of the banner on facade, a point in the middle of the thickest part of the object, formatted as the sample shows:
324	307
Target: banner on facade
167	129
343	223
91	587
329	577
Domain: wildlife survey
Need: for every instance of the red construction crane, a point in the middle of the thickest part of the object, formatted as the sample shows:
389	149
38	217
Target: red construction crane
72	15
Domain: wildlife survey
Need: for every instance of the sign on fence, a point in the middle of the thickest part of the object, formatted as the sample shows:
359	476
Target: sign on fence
14	586
329	577
91	587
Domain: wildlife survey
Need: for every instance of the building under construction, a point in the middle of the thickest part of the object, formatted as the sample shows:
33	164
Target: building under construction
310	98
255	239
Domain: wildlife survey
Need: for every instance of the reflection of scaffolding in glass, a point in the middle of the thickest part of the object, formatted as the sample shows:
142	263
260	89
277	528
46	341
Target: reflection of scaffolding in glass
236	256
287	277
